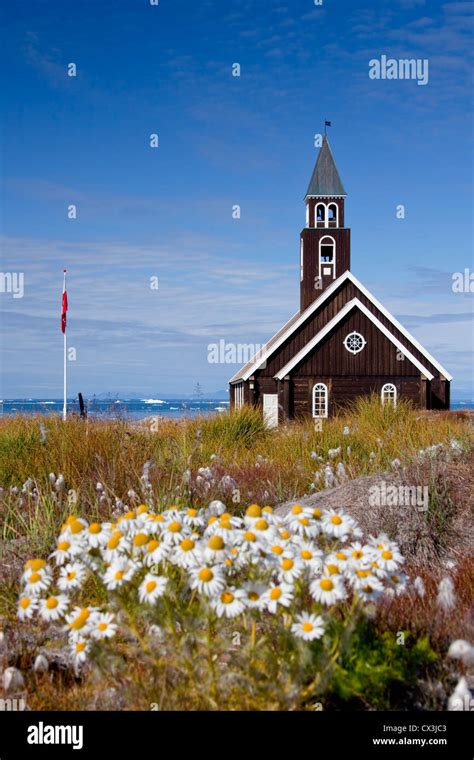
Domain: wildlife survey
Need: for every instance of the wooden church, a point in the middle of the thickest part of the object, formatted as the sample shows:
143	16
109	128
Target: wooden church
343	342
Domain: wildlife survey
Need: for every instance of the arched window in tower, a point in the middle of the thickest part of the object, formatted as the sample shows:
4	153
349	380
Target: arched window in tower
327	256
333	215
320	215
320	401
389	394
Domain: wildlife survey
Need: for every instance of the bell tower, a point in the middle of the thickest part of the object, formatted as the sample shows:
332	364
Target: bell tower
325	244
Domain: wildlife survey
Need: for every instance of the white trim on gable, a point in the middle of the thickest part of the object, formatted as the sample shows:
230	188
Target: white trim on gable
354	303
293	325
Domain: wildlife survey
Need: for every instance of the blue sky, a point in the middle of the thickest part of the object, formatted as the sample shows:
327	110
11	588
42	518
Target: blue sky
167	212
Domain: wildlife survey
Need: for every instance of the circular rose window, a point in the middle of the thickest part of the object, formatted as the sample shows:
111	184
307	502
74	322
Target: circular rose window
354	342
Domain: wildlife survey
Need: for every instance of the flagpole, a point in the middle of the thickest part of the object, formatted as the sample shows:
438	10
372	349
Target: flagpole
65	363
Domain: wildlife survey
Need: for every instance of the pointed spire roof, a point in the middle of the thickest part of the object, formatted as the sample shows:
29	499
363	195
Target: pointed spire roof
325	179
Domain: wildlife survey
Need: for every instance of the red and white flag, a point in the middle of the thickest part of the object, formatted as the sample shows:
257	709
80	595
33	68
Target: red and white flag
64	306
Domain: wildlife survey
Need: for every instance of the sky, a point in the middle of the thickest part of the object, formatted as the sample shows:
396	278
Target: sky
224	141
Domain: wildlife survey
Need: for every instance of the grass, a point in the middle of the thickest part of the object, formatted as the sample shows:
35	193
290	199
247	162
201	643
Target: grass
233	458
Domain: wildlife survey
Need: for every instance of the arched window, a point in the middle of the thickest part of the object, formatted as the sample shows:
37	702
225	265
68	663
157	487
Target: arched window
320	213
320	400
333	215
389	394
327	249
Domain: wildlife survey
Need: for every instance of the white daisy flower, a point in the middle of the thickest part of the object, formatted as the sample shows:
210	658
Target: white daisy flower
304	525
175	531
79	621
371	589
79	648
116	545
215	549
310	556
308	626
64	551
71	577
118	574
102	626
37	581
151	588
98	534
328	590
398	582
254	594
193	519
27	606
229	603
186	554
207	580
337	524
156	551
35	566
54	607
289	568
359	555
277	594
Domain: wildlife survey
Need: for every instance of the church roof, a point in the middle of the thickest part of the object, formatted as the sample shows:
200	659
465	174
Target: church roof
325	179
298	320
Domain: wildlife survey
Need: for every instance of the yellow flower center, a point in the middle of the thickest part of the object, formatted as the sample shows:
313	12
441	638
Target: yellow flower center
80	621
253	596
285	534
326	584
333	569
95	528
341	556
35	564
287	564
212	519
267	510
152	545
187	544
253	511
113	542
216	543
227	597
317	513
249	536
305	554
307	627
52	603
174	527
387	554
303	521
63	546
275	594
70	576
119	575
336	520
363	573
142	509
261	525
277	549
34	578
76	527
24	603
192	512
357	554
140	539
102	627
368	589
80	646
206	575
150	586
297	509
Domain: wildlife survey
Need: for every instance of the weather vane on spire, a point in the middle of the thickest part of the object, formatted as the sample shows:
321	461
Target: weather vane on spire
326	125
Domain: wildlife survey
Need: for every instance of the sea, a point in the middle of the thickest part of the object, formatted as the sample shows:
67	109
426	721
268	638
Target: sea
134	409
118	408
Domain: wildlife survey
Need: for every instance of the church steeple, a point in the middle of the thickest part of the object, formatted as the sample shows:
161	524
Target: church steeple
325	242
325	180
